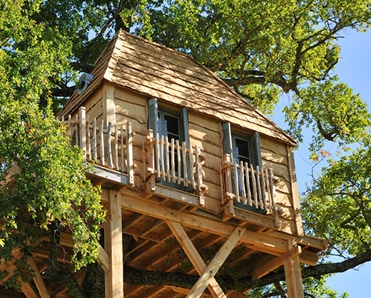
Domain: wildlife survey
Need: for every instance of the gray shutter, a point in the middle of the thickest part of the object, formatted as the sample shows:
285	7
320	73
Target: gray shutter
184	134
153	115
257	160
227	139
184	126
255	150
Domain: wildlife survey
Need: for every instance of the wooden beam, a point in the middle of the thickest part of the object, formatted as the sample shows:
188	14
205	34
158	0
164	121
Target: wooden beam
308	257
261	242
302	240
194	256
216	262
103	259
185	291
113	245
28	291
263	269
38	279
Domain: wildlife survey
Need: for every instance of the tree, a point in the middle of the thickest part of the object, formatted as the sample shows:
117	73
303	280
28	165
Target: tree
261	48
49	192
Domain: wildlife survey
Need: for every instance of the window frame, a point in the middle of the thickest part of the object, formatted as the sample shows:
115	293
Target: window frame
155	113
229	146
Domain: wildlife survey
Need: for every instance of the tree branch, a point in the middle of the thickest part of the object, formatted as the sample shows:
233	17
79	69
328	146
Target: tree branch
144	277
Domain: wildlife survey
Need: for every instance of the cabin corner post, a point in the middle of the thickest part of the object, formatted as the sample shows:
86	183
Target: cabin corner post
292	270
114	279
109	105
294	191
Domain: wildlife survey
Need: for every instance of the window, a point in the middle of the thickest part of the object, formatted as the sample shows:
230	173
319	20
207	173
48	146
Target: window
168	125
171	125
242	148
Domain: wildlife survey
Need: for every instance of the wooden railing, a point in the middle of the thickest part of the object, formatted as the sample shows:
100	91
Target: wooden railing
110	147
172	162
251	186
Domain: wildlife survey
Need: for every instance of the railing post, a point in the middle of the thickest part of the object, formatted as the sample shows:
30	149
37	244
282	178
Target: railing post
236	184
88	140
101	142
191	165
200	186
69	128
151	184
129	147
82	131
109	151
94	141
273	190
229	207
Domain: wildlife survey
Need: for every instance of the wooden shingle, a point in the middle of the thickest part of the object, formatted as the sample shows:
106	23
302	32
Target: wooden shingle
153	70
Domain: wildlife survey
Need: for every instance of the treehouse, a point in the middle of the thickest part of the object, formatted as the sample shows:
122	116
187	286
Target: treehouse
193	178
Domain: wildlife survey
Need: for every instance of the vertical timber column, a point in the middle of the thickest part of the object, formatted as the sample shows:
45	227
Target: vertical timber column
293	277
294	191
109	106
113	244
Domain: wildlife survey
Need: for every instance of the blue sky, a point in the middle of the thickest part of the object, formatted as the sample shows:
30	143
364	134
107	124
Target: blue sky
354	69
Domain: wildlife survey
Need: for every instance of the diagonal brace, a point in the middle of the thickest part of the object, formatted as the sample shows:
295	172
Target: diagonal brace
218	260
194	256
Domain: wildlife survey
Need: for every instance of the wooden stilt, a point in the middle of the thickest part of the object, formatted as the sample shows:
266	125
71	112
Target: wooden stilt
216	262
113	246
293	277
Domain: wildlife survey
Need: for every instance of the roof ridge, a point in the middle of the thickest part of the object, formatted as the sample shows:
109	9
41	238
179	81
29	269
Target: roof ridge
156	44
113	40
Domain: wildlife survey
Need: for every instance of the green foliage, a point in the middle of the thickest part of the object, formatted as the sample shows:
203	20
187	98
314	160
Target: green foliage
338	206
260	48
332	111
318	288
264	49
48	192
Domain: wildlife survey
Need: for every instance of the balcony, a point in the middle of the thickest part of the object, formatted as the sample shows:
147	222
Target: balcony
108	148
254	187
172	164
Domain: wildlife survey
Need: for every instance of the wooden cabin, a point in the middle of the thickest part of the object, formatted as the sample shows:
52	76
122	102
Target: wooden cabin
185	164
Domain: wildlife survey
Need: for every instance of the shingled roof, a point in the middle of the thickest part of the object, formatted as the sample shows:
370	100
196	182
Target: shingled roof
154	70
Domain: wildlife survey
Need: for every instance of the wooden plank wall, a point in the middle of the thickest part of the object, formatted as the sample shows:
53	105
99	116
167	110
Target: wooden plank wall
274	156
132	107
94	109
205	132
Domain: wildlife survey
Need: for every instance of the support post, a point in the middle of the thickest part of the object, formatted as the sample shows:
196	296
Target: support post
114	279
293	276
